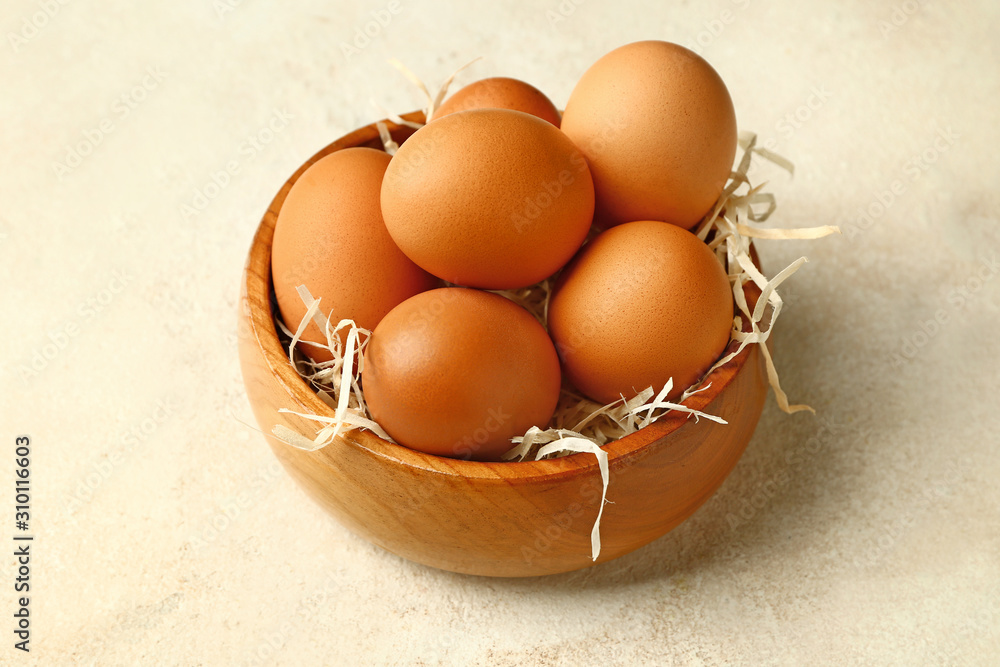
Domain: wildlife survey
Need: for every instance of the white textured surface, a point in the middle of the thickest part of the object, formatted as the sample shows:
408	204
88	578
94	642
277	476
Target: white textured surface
868	535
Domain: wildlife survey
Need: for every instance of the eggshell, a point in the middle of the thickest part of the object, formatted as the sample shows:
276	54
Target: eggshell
501	93
458	372
330	237
643	302
658	128
488	198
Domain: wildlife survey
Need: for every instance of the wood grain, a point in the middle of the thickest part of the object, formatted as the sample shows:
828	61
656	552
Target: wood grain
493	519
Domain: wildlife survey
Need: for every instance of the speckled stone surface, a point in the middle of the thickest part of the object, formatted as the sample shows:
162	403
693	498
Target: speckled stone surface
141	143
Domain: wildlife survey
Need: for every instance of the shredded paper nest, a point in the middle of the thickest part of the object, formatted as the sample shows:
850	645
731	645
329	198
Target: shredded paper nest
579	424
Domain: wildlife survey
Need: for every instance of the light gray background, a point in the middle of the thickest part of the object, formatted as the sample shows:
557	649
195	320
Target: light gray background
865	535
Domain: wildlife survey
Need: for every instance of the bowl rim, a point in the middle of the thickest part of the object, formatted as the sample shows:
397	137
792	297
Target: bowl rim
259	316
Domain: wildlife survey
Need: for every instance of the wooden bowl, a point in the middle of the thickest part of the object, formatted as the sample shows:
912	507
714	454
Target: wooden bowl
494	519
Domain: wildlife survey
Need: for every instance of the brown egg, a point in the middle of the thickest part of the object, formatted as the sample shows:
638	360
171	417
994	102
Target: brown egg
330	237
488	198
501	93
642	303
458	372
658	128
